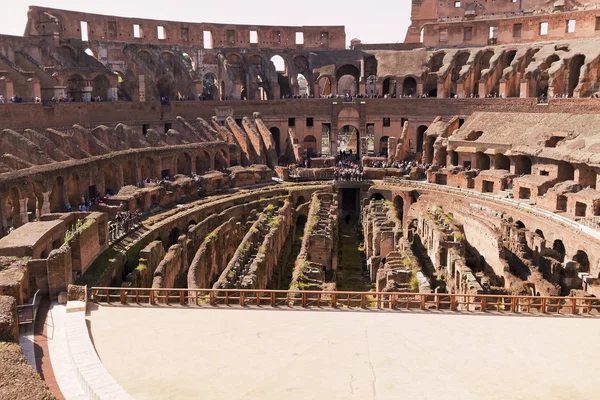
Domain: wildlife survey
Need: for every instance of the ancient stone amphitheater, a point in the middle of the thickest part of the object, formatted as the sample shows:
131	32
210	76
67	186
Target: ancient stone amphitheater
253	212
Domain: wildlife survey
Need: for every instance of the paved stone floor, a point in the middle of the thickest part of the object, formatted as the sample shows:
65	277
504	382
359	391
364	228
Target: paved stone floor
176	353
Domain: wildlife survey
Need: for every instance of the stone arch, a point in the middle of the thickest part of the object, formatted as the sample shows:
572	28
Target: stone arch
409	86
100	87
347	77
520	225
540	233
111	184
575	65
202	162
14	197
383	145
436	62
165	88
146	56
349	139
559	247
276	133
389	86
75	87
173	236
399	208
210	88
301	200
377	196
421	137
502	162
221	162
522	165
482	161
184	164
583	260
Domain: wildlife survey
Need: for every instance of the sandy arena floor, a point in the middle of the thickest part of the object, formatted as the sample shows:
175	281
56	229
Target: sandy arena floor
175	353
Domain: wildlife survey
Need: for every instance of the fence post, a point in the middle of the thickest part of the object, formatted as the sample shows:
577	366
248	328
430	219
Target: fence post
242	299
181	297
303	299
152	300
122	296
211	298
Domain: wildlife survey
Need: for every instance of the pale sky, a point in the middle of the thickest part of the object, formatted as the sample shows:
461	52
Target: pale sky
381	21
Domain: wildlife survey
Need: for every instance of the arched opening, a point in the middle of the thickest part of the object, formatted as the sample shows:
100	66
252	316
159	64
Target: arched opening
210	90
453	158
75	87
347	77
173	236
582	259
129	173
221	163
303	88
165	88
502	162
540	233
459	61
285	89
522	165
15	207
389	86
324	86
348	140
202	163
575	72
409	86
310	145
110	179
147	168
482	161
559	248
90	53
383	146
277	138
399	207
301	200
184	164
420	137
520	225
377	196
482	65
101	88
437	61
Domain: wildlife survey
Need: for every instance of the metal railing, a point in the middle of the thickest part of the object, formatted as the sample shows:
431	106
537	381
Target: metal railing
26	312
504	304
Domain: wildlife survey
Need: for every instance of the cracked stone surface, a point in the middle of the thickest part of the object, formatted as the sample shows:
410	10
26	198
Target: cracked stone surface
175	353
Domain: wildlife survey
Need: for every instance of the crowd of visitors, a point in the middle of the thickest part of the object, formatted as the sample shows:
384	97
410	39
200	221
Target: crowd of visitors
124	222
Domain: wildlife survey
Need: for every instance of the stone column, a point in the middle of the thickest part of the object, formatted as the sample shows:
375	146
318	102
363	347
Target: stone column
45	208
277	92
483	89
21	218
37	90
362	86
460	89
525	92
441	90
113	94
420	88
86	95
237	91
10	90
502	88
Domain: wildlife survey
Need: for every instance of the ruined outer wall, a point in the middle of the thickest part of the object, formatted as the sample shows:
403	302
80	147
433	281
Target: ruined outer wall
530	31
66	24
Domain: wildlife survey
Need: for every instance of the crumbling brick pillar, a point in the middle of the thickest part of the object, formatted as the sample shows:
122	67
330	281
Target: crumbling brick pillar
86	94
199	87
483	89
441	89
9	323
502	88
37	89
142	87
526	88
59	271
9	88
112	94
